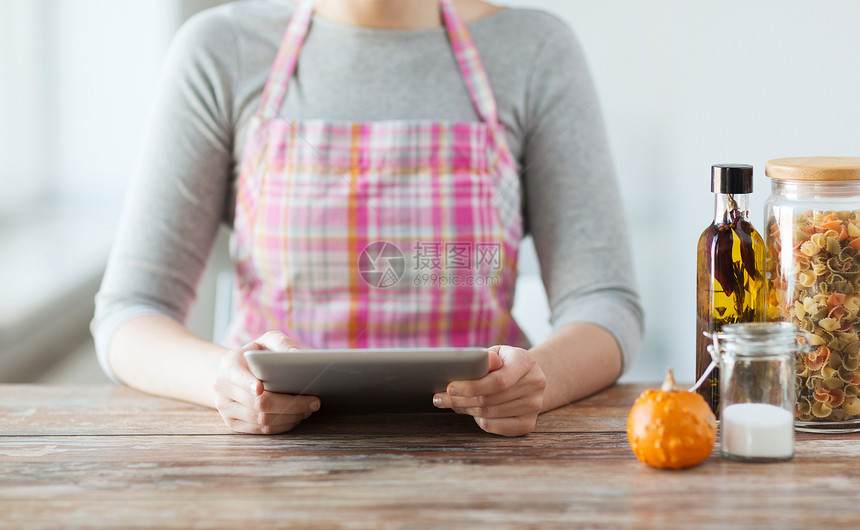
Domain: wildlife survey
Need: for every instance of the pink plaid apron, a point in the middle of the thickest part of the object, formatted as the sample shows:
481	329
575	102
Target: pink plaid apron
377	234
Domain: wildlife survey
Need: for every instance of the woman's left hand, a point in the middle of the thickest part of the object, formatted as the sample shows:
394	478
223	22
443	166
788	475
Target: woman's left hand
506	401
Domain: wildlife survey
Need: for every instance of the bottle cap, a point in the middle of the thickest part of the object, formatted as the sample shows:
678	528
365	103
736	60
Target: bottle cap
731	178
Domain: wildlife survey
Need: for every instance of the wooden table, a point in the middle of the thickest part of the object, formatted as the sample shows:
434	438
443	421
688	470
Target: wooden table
107	457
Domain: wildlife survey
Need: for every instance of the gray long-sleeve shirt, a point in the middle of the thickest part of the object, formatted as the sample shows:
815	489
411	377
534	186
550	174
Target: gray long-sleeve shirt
184	182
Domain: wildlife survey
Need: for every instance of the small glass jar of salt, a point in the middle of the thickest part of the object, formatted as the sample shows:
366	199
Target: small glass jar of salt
757	391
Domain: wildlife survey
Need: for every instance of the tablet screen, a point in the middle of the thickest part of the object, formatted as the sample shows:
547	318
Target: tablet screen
368	380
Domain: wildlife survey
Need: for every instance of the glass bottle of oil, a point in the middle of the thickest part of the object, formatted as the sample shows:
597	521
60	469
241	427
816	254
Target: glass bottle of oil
730	271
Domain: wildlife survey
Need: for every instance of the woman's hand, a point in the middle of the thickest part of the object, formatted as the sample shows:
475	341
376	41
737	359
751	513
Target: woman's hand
241	400
506	401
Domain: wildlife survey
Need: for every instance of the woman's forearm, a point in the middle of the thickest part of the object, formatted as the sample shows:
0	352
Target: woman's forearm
578	359
160	356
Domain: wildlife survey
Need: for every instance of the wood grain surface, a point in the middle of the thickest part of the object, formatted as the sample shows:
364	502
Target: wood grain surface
109	457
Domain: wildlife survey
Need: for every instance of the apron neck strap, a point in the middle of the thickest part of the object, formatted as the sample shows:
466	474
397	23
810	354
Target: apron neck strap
285	62
470	63
464	48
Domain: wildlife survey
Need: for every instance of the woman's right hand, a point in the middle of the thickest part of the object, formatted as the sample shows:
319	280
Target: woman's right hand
241	400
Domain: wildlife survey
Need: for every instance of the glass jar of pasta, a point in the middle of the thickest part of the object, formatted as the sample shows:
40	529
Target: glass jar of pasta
813	281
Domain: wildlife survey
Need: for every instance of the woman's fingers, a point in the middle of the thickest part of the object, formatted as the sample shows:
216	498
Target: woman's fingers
495	360
275	341
274	403
506	401
253	427
516	426
520	399
270	402
516	364
245	405
519	376
527	404
235	414
235	369
508	382
515	392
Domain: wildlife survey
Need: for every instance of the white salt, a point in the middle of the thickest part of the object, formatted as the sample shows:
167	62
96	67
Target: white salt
757	430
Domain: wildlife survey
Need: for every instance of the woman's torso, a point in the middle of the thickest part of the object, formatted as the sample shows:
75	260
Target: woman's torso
317	195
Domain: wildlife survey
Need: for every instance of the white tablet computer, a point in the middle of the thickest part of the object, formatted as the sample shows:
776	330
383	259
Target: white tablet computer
368	380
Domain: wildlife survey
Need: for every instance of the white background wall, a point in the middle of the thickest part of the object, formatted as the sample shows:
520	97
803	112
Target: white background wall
76	78
22	88
688	83
120	45
683	84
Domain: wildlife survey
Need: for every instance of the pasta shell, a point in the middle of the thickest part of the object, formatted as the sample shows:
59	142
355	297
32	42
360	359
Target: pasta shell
849	337
817	240
836	299
832	383
825	335
813	383
822	312
837	397
822	395
851	406
799	310
821	409
845	375
831	244
815	340
806	278
829	324
817	358
852	302
837	345
810	248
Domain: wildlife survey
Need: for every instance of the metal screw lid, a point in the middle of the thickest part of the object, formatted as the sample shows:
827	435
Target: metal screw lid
732	178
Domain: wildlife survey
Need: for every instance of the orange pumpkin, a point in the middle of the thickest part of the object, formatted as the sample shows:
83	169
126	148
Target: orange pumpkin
671	428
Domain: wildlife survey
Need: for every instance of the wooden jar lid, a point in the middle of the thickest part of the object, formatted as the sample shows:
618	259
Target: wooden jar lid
821	168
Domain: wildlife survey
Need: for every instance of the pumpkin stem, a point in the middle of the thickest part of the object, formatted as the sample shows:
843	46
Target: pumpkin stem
669	382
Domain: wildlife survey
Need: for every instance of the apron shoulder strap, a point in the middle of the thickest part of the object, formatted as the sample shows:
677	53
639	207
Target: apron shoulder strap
470	64
464	48
285	62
